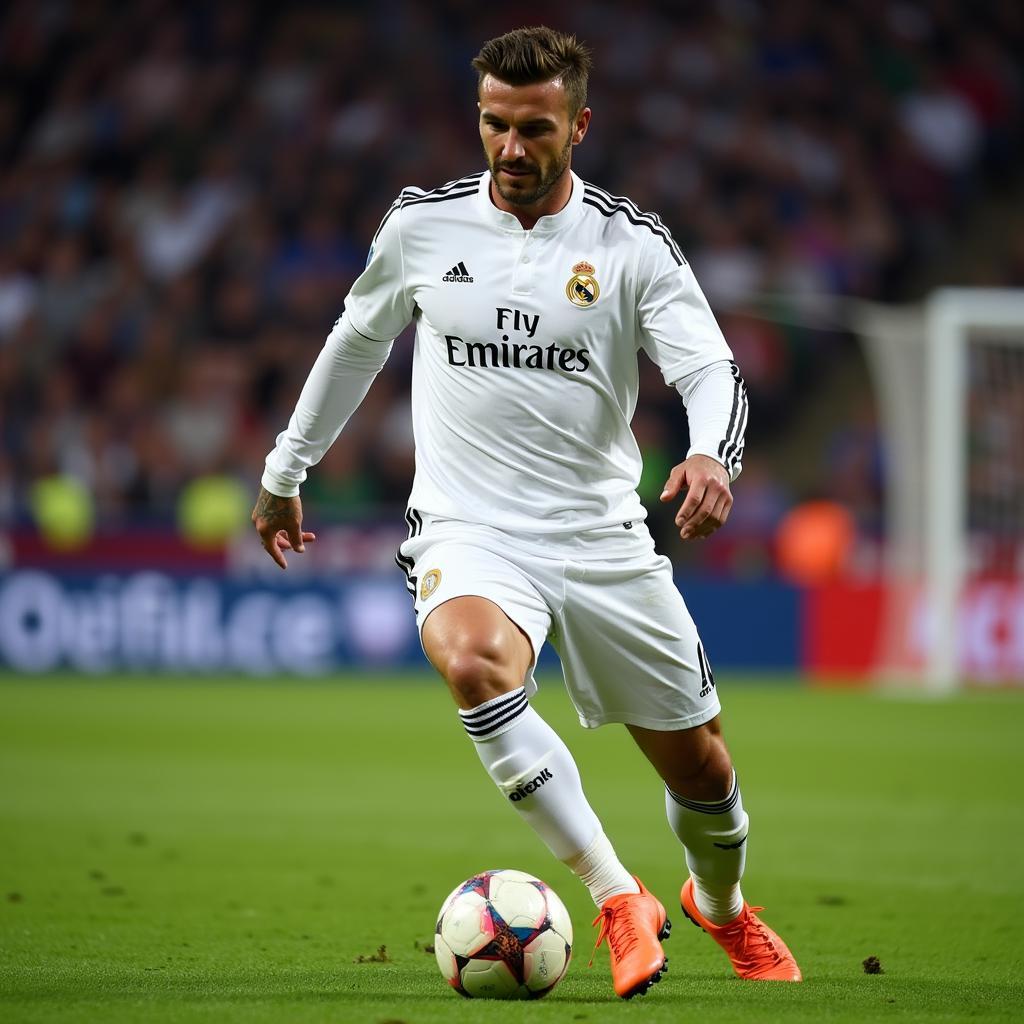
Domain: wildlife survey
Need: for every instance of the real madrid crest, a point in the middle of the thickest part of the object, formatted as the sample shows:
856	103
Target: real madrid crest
430	582
582	289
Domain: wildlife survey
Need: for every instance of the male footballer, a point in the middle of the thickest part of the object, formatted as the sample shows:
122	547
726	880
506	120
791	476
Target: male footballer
533	292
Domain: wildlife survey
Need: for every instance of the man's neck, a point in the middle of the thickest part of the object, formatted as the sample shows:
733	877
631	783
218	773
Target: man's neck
550	204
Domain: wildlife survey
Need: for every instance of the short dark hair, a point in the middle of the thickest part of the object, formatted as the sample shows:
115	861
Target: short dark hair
538	54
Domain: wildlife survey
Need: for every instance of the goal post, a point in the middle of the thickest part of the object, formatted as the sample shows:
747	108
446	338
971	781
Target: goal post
948	374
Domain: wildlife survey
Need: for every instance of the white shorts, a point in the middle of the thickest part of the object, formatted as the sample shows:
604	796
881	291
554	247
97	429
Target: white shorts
605	599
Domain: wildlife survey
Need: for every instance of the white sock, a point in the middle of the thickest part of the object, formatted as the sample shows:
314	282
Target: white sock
601	871
534	769
715	838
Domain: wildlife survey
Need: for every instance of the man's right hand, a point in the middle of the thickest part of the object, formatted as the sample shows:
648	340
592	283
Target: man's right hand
278	521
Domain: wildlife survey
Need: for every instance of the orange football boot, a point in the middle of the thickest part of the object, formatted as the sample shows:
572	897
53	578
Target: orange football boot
633	923
755	951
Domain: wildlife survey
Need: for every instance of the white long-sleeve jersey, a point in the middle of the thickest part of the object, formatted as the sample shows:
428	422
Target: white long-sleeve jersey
525	372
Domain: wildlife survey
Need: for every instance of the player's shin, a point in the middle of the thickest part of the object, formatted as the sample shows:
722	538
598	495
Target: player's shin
715	838
535	771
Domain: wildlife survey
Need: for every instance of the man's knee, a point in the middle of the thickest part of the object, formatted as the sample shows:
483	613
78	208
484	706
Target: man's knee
478	650
706	758
478	673
703	765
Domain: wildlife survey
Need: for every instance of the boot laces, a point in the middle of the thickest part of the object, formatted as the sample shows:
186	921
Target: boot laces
619	929
754	940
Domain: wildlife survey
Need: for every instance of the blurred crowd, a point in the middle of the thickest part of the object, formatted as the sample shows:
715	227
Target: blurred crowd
188	189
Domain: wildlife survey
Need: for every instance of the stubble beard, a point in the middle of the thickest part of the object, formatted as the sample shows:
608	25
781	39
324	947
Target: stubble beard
524	197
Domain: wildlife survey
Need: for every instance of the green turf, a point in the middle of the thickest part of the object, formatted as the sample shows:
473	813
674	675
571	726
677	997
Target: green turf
211	851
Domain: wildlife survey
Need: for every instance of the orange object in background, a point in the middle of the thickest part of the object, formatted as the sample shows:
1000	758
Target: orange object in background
843	630
814	541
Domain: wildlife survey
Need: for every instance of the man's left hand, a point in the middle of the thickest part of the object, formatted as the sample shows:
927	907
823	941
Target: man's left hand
708	498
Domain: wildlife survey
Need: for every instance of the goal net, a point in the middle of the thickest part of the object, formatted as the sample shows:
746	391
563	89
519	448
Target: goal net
949	378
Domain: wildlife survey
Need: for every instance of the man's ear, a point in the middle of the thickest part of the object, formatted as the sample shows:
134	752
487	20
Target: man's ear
580	125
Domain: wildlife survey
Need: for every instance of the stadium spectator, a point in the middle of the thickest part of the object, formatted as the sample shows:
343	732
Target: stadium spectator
178	222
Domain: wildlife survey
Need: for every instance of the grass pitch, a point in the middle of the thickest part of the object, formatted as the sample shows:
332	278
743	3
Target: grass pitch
189	850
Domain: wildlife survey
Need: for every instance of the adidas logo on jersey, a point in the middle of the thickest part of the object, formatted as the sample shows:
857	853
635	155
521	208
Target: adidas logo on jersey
458	274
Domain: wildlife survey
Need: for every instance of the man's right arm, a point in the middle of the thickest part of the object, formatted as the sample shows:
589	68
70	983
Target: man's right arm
376	310
337	384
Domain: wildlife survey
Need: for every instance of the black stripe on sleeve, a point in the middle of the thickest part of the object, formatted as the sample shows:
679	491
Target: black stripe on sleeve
735	452
639	223
394	206
651	218
450	190
466	179
442	198
609	204
731	448
732	419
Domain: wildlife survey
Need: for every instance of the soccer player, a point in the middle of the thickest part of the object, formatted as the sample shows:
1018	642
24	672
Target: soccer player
532	292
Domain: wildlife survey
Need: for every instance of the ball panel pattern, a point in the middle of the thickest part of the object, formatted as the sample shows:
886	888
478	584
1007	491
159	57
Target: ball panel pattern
491	979
446	961
545	960
520	903
468	925
503	935
558	916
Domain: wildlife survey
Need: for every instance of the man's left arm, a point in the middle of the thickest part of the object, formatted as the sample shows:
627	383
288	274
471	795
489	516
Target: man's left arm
716	406
680	333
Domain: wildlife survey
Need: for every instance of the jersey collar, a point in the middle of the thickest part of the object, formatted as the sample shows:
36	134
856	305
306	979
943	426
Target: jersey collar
549	225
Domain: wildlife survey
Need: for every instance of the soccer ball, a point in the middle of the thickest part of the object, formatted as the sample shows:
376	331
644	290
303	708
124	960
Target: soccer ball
503	935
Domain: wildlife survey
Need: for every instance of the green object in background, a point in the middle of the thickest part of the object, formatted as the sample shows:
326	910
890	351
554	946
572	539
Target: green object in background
212	509
656	467
227	851
63	510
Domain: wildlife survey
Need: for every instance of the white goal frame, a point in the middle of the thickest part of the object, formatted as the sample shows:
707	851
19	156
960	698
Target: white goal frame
925	433
951	315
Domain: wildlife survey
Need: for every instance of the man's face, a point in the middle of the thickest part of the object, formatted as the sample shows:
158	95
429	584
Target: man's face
528	135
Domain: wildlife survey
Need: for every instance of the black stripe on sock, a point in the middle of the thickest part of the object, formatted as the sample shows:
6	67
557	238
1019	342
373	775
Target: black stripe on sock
484	724
483	710
485	728
730	846
488	717
722	807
